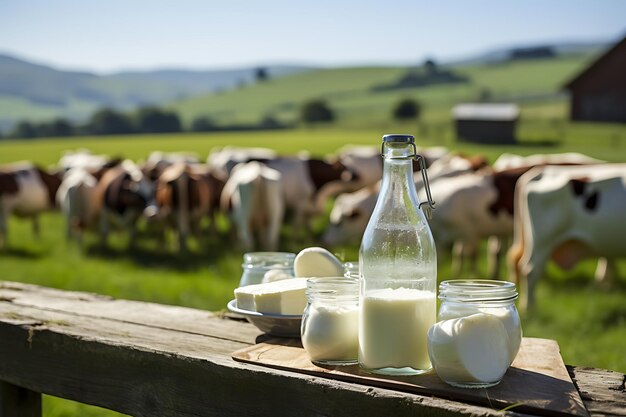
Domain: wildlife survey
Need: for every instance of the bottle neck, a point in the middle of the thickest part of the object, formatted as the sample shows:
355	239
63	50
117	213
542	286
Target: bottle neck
398	169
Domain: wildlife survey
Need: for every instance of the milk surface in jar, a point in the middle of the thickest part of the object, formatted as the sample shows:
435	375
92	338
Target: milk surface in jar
398	266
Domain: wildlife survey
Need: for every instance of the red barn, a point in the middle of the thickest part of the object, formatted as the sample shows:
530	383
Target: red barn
598	94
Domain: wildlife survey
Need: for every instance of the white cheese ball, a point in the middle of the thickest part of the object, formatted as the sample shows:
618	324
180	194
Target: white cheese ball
317	262
472	349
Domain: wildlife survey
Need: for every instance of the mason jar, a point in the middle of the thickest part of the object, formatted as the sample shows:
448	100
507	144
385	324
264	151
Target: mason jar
330	321
488	338
269	265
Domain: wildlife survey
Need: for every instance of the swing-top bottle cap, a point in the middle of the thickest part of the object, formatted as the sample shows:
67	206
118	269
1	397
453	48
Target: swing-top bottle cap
395	138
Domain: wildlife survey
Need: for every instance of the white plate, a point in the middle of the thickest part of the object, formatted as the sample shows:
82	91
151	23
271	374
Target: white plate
274	324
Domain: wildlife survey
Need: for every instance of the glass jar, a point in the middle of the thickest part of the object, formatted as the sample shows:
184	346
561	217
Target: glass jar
330	321
487	338
398	267
269	265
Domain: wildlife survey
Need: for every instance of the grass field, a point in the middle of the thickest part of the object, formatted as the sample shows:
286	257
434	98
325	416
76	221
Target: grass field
588	321
349	92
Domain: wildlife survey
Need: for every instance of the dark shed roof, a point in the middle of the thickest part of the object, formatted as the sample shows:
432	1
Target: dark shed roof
615	54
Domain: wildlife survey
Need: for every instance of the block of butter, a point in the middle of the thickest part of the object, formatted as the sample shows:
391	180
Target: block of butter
286	296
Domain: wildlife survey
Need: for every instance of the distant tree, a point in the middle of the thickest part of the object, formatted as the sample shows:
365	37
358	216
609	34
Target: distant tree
109	122
23	130
430	67
58	127
261	75
406	109
202	124
154	120
315	111
270	121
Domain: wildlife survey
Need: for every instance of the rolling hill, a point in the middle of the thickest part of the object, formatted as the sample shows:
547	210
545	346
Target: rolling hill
352	92
39	92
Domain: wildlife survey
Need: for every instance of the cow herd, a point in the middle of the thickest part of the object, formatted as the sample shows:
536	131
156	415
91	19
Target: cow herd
563	207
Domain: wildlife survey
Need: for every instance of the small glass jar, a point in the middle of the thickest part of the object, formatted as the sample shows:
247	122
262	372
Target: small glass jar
330	322
485	342
270	265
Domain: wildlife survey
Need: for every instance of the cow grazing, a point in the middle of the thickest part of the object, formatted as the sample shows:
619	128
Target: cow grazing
465	216
351	211
255	194
566	214
77	199
26	191
184	197
124	194
365	164
365	161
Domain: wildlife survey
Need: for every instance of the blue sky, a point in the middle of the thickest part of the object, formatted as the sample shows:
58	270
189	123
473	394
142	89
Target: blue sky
111	35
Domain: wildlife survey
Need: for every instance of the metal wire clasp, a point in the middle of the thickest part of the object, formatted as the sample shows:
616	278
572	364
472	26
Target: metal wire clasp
428	210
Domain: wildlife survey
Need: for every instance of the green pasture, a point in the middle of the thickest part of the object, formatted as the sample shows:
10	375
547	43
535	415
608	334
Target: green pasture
349	92
588	320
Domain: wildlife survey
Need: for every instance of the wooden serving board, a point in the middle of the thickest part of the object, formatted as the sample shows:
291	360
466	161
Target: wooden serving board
537	382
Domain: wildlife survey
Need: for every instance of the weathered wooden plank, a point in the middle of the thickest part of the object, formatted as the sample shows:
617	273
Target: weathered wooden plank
149	314
602	391
19	402
118	333
144	370
144	382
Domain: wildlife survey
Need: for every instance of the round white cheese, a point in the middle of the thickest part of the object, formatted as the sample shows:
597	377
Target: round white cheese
472	349
317	262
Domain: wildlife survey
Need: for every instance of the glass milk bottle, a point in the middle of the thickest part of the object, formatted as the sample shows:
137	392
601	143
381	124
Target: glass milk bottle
398	265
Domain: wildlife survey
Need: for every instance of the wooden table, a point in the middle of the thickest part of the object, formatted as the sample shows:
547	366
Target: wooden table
147	359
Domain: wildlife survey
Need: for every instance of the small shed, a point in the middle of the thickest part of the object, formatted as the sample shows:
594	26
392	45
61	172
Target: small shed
598	94
486	122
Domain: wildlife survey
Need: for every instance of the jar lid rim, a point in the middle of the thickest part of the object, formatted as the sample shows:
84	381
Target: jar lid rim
476	290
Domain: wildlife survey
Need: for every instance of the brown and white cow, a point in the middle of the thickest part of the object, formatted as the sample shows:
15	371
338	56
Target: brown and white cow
567	214
124	194
26	191
302	177
254	194
366	164
351	211
185	196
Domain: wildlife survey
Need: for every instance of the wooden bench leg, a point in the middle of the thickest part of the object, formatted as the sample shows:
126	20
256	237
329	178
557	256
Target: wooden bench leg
19	402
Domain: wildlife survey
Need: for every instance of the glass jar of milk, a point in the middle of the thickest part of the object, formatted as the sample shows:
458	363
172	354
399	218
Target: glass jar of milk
398	267
330	321
261	267
478	333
